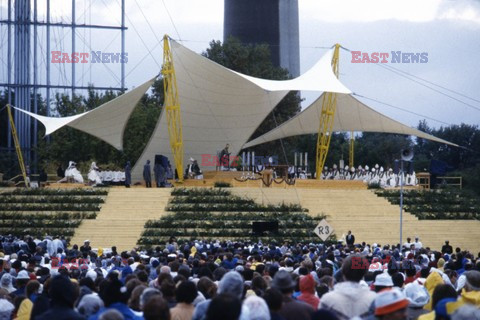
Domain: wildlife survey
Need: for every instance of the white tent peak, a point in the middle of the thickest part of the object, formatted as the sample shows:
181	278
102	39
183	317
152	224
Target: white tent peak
320	77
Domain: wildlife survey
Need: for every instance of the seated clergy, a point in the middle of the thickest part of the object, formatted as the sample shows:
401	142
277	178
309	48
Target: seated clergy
193	170
72	174
93	175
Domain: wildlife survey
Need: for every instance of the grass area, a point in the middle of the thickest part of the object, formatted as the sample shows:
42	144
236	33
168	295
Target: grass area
214	213
436	204
41	212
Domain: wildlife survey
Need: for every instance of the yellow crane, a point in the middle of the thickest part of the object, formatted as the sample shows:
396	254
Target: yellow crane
327	116
17	146
172	107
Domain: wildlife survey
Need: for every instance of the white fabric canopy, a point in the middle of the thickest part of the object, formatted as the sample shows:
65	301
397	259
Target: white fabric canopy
220	106
106	122
351	115
319	78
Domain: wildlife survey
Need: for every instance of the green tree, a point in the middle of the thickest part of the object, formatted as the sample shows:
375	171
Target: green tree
380	148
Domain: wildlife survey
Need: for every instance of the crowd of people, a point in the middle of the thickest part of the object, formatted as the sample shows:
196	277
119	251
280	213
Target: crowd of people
43	279
377	175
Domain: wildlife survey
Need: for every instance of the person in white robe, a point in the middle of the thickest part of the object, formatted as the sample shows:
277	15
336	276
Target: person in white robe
73	173
93	175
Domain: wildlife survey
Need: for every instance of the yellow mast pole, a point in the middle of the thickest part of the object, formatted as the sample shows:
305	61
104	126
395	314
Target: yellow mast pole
327	116
352	150
172	107
17	146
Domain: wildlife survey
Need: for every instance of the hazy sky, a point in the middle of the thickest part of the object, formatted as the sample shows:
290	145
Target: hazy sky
449	31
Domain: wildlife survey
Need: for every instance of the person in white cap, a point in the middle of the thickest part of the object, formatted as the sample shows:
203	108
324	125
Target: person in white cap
418	296
418	244
391	304
383	281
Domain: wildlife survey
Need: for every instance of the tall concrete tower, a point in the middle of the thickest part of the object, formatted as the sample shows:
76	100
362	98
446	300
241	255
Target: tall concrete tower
274	22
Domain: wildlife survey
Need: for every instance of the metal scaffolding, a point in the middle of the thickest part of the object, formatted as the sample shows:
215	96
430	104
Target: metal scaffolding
22	90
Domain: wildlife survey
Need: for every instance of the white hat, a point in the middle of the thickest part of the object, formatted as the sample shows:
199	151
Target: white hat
92	274
23	275
389	301
416	294
6	309
367	168
191	159
383	280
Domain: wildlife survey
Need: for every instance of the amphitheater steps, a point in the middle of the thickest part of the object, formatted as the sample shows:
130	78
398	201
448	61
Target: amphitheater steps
122	217
370	218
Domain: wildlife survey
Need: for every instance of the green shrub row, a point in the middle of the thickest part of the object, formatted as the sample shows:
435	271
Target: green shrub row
297	235
58	192
444	201
229	216
200	192
47	216
204	207
447	215
49	207
222	184
210	199
232	224
49	199
71	223
436	204
39	232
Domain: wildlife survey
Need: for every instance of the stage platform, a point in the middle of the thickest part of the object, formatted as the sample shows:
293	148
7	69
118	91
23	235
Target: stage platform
232	177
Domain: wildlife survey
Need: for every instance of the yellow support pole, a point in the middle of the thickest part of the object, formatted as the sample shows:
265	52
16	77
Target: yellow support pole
327	116
172	107
17	146
352	150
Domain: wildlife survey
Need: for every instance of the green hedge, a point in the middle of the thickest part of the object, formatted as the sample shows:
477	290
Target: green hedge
200	192
222	184
49	216
40	212
209	199
49	207
436	204
246	207
58	192
39	232
49	199
201	213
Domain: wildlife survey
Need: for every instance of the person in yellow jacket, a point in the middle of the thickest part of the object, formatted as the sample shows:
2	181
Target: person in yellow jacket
471	291
470	295
25	309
